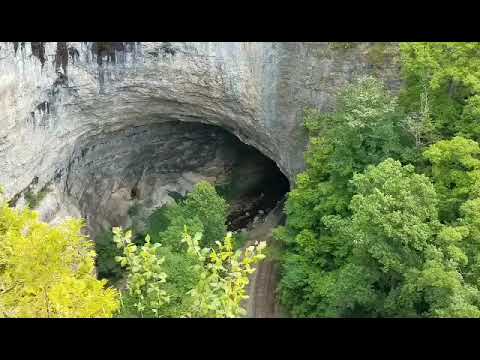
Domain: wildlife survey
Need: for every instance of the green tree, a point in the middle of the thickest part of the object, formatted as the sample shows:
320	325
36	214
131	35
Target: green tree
48	271
449	73
393	222
216	289
145	275
203	211
455	172
224	276
403	261
365	129
391	256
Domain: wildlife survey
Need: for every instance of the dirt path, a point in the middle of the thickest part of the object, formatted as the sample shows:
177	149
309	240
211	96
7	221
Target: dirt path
262	301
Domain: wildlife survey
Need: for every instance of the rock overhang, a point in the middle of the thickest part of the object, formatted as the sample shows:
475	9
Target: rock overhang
58	96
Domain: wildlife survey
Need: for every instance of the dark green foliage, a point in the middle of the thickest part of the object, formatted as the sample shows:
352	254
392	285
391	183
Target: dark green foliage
158	221
181	278
368	236
203	210
239	240
107	267
167	224
33	200
134	210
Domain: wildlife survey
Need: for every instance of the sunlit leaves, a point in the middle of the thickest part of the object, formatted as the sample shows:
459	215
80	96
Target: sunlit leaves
48	271
455	172
224	277
450	73
145	273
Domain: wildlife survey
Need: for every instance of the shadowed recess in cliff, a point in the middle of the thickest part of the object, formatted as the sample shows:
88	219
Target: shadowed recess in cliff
109	49
146	167
38	50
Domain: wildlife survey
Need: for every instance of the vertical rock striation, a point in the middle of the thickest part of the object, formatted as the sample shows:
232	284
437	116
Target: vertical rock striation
58	100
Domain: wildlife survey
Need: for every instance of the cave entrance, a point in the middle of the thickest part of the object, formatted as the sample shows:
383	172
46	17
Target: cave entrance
254	186
122	177
118	178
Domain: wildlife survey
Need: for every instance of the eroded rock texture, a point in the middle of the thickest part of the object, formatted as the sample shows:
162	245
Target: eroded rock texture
94	120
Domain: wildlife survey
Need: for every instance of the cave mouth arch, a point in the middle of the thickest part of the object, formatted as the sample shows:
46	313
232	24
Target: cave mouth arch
120	176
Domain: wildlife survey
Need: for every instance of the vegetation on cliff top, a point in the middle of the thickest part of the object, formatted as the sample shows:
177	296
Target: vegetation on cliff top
385	221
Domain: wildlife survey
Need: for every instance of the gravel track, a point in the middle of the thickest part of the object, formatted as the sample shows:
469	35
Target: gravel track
263	301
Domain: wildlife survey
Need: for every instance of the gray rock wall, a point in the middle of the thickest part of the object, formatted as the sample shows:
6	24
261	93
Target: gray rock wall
59	98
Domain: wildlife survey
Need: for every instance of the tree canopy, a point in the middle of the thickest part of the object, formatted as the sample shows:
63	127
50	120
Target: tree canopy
384	220
48	271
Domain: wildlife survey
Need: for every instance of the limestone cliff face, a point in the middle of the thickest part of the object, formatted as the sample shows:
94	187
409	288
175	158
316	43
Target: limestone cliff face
58	101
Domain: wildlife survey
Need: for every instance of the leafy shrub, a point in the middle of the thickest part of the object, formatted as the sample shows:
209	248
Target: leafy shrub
199	282
47	271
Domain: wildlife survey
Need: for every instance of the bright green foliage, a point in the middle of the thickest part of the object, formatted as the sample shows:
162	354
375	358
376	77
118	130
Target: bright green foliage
389	242
145	277
455	172
223	277
392	223
201	282
203	211
450	73
364	130
48	271
182	277
204	202
394	215
393	257
467	234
